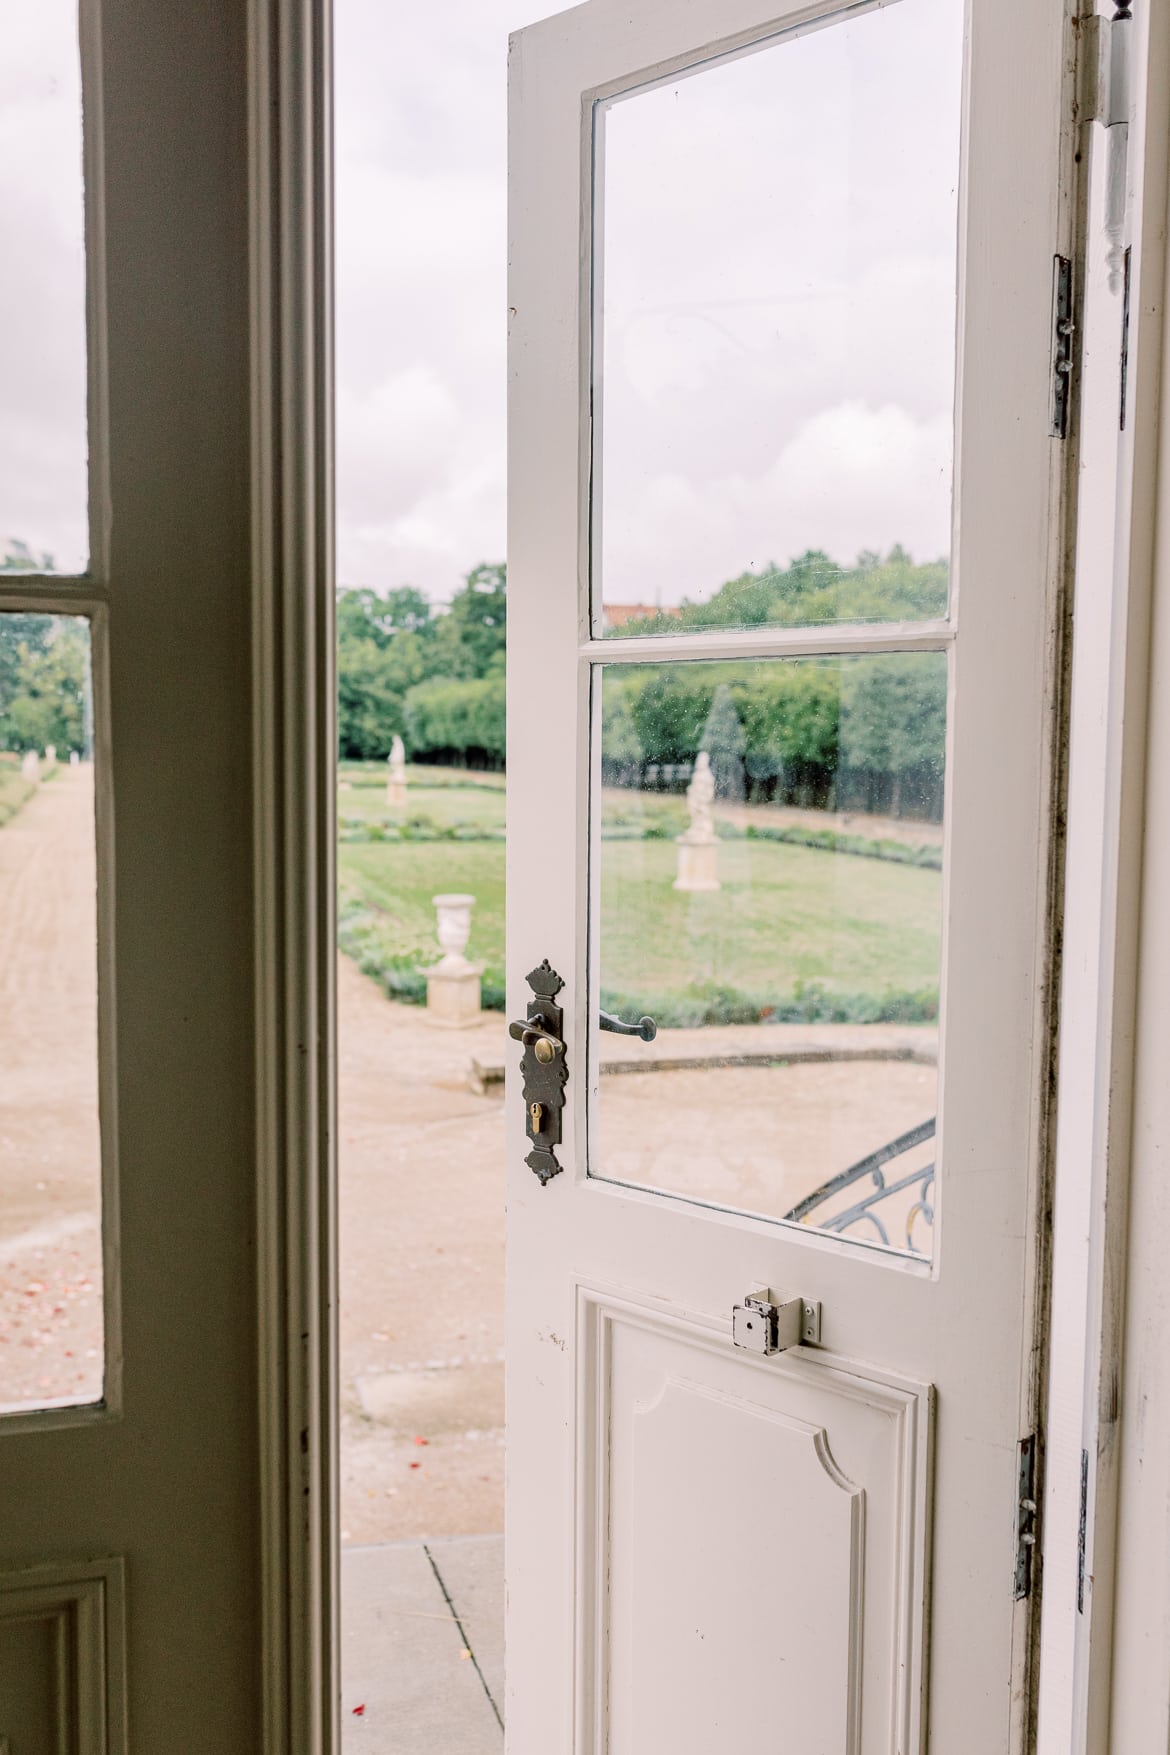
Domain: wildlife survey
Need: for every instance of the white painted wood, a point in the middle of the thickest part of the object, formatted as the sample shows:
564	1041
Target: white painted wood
965	1325
1123	1700
790	1592
1093	611
775	642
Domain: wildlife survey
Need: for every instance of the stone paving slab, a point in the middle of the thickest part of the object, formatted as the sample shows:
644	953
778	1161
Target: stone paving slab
413	1681
472	1569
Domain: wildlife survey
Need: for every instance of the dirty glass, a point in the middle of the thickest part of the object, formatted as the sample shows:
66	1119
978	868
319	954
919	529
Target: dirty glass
51	1328
774	346
43	440
770	895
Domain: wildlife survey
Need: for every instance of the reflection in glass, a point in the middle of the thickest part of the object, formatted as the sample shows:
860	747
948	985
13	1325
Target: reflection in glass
50	1147
774	352
771	894
43	440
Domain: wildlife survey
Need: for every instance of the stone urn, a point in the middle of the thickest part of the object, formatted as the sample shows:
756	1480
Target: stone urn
453	983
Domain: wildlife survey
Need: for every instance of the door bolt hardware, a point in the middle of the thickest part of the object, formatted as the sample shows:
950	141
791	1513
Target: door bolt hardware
1026	1515
1063	330
768	1322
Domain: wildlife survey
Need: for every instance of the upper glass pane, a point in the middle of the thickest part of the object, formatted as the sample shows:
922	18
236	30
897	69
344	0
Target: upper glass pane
775	341
44	490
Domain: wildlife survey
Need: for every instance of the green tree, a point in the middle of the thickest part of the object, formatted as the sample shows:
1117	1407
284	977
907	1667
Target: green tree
44	682
473	631
363	614
458	718
621	747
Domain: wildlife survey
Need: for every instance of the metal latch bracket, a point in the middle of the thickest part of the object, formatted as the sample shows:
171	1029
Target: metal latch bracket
768	1322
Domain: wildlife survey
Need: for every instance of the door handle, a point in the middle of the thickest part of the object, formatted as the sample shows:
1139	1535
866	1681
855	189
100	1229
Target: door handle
545	1074
646	1028
768	1322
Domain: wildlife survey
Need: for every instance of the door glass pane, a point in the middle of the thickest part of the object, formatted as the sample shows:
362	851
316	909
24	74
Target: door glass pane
771	895
51	1350
43	443
775	320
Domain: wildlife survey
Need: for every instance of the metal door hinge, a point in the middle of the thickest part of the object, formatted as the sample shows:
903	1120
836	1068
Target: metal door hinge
1063	331
1104	68
1105	96
1026	1515
768	1322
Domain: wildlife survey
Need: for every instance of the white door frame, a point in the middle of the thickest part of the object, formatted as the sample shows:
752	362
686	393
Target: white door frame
1122	1636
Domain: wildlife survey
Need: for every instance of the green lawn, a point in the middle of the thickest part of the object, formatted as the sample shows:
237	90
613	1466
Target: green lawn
443	797
790	923
794	932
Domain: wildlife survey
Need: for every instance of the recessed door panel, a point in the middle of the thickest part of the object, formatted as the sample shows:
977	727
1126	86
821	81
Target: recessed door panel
760	1543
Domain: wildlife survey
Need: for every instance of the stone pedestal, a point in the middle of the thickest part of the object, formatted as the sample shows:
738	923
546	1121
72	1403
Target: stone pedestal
30	766
698	863
453	995
396	793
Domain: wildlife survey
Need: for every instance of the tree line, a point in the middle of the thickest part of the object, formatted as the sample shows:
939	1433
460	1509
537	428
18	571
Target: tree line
435	680
853	733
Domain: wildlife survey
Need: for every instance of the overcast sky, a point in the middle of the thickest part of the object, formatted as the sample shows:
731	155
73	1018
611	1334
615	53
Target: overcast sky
779	300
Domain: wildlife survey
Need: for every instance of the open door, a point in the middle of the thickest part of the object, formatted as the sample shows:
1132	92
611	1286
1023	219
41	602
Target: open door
786	459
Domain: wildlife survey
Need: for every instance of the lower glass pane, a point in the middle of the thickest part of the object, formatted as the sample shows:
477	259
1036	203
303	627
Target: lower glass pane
771	896
51	1329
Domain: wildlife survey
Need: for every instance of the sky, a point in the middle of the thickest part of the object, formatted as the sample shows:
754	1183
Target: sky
778	311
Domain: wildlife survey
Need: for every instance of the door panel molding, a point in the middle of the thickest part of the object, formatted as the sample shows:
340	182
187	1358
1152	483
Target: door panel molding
79	1695
850	1432
294	738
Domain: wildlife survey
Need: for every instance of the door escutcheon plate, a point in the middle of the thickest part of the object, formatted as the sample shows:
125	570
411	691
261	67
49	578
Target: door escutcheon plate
543	1067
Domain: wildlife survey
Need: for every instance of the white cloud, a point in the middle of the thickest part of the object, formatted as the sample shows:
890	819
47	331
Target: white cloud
852	478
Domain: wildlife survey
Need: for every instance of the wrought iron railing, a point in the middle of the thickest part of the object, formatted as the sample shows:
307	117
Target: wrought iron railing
864	1211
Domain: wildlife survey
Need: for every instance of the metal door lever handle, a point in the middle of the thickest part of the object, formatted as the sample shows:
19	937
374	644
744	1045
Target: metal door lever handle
544	1046
646	1028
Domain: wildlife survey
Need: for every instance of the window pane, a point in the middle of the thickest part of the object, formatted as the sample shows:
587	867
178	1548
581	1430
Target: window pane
43	441
774	361
771	895
50	1148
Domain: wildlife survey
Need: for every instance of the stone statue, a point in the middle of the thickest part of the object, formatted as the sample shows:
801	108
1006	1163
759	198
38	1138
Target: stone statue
396	776
700	801
698	848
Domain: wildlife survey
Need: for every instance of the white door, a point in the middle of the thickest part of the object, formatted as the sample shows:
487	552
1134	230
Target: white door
161	1517
781	305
